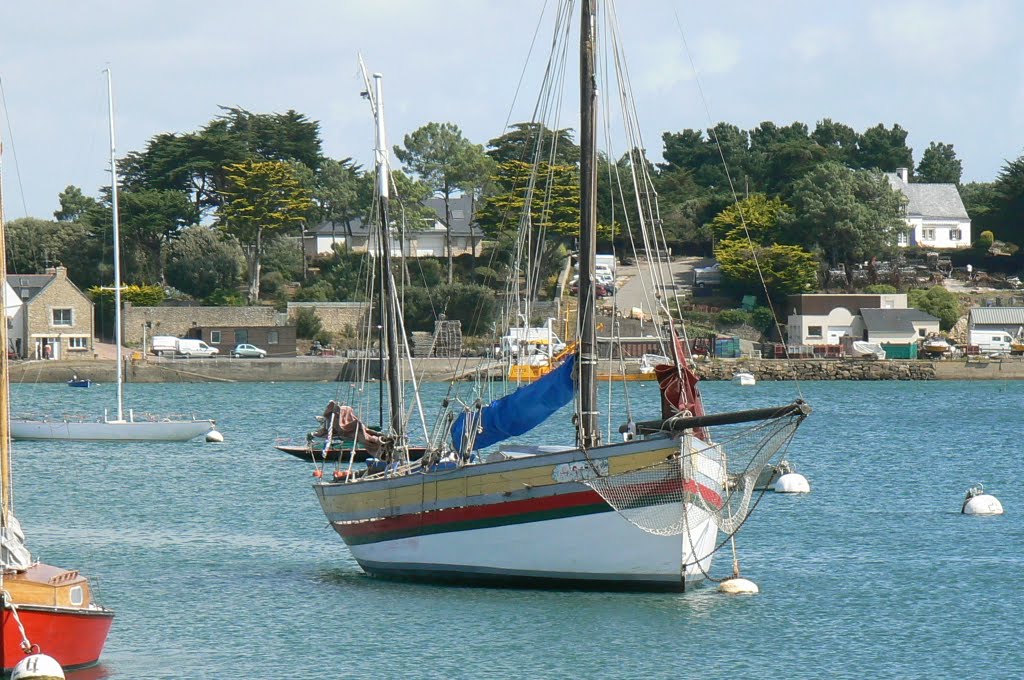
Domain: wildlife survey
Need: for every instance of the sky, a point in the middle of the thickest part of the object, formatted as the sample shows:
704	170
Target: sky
946	71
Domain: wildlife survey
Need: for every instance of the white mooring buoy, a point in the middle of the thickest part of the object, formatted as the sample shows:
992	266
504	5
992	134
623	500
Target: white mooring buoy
38	667
737	585
977	502
792	482
214	436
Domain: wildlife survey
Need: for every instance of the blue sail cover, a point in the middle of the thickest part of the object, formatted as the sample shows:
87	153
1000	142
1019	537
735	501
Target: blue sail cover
521	411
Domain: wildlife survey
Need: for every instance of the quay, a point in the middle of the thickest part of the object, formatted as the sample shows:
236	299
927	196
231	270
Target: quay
341	369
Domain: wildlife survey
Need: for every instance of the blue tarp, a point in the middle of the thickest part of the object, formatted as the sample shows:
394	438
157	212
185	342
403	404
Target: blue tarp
521	411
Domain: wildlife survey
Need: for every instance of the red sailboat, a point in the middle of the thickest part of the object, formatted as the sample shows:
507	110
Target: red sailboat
45	609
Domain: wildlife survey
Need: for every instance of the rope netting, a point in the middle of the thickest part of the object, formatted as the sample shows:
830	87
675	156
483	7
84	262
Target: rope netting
704	481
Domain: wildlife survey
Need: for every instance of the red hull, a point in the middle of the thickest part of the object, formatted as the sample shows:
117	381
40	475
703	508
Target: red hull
73	637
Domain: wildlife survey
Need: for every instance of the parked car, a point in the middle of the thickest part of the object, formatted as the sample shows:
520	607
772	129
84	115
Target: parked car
250	351
707	276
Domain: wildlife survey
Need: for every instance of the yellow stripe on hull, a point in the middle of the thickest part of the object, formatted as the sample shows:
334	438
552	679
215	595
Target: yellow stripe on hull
468	483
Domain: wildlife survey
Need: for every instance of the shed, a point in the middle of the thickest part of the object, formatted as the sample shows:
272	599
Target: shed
279	341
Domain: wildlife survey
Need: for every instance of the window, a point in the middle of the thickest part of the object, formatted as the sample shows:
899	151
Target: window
62	317
241	337
955	235
920	332
273	338
214	337
25	294
78	343
903	238
928	234
814	331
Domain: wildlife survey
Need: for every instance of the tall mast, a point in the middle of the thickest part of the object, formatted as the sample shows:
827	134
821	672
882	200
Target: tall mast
390	319
589	431
6	503
117	249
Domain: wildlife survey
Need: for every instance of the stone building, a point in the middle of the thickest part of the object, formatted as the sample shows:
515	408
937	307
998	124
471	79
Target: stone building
56	319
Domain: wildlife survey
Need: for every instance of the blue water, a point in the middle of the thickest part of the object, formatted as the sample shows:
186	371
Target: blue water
218	561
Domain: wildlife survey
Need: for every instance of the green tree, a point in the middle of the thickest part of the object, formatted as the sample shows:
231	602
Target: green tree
149	219
447	162
533	142
1007	210
341	194
196	163
756	216
202	261
883	149
939	165
851	215
938	302
785	270
838	140
261	197
34	244
73	204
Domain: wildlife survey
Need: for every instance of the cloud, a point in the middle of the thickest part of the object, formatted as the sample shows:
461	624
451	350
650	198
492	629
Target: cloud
924	32
812	43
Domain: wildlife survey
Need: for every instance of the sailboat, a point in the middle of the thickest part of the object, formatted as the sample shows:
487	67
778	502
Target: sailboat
644	512
124	426
45	609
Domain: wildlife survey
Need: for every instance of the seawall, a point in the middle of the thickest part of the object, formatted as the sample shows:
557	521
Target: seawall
332	369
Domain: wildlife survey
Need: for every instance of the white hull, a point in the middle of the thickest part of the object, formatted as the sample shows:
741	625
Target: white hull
144	430
602	550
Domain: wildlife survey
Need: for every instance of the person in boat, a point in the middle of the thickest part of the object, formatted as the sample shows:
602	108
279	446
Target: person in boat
341	423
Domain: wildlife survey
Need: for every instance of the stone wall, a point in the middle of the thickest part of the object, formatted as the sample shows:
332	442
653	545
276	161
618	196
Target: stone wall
178	320
340	319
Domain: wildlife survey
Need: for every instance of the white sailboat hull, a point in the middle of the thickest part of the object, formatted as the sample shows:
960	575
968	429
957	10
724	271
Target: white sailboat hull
144	430
602	550
533	521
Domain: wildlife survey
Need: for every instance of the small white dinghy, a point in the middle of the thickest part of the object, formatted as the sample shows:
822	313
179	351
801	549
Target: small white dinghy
744	378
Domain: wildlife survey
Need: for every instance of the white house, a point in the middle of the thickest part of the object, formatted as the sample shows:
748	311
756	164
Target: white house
14	310
822	319
897	326
421	240
935	214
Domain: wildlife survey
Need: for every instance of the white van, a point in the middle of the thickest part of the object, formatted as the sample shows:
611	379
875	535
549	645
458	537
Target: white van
188	347
163	345
997	342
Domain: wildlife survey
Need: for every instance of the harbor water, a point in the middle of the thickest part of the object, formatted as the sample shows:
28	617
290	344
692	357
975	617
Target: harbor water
219	564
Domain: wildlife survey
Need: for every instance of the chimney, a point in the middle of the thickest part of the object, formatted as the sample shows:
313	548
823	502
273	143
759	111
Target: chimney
903	173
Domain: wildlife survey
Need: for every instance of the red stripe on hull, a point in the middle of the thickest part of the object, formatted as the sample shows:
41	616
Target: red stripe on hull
74	638
432	521
472	513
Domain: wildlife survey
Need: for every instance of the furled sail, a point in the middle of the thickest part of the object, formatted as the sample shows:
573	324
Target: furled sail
13	553
519	412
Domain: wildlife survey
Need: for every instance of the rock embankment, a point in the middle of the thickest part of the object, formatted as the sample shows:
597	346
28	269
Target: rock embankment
819	369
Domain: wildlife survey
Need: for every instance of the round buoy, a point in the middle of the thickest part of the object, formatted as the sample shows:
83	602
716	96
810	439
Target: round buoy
982	504
318	473
38	667
214	436
792	482
738	586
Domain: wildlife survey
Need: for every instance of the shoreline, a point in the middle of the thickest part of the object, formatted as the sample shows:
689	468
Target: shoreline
331	369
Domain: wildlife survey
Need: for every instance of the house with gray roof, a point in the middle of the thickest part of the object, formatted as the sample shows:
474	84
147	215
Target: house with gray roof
935	213
55	320
897	326
421	240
